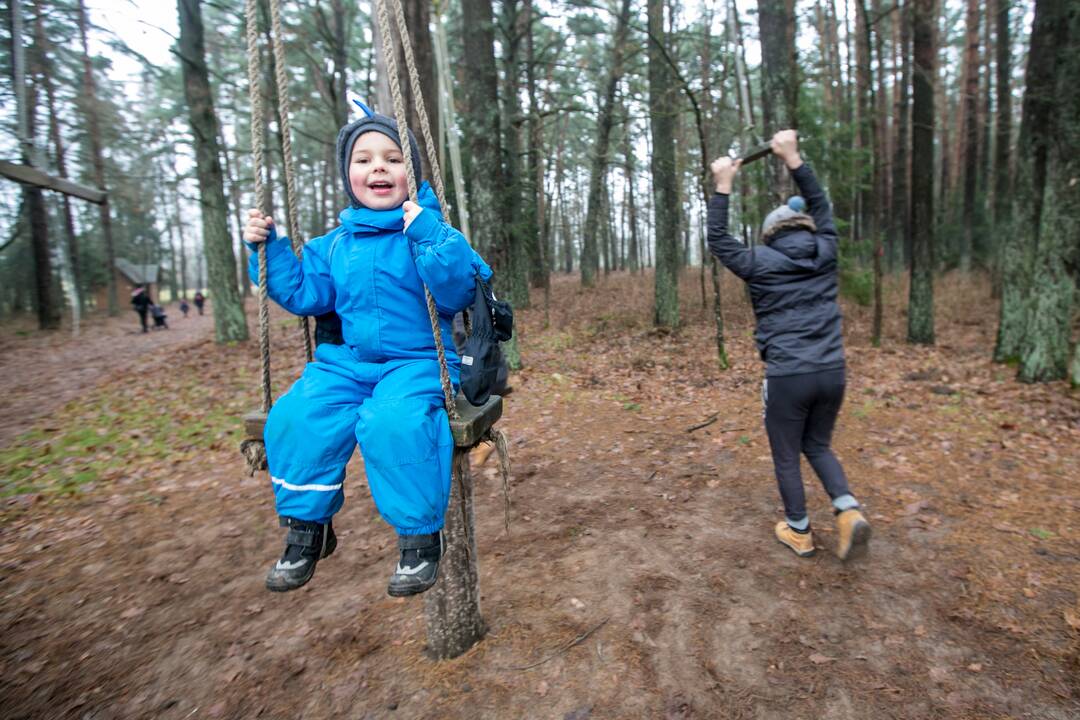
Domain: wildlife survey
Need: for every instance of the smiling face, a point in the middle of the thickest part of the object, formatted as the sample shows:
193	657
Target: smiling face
377	172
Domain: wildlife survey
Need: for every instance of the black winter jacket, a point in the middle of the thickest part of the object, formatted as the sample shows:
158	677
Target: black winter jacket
792	285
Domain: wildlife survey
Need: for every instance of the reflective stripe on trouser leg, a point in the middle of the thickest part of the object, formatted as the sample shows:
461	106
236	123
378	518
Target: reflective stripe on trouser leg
405	439
309	439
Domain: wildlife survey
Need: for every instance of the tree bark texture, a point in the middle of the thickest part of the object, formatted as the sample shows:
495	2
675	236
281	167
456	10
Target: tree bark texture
969	134
48	309
1029	180
779	82
900	224
481	124
1047	343
921	294
452	607
515	277
93	132
665	198
604	122
70	238
230	324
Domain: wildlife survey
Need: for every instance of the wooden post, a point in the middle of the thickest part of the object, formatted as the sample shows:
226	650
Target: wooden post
452	607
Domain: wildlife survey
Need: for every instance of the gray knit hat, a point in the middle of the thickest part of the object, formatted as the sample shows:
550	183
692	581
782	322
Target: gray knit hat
372	122
784	218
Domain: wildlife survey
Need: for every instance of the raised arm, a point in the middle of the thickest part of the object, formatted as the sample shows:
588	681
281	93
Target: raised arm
785	144
735	256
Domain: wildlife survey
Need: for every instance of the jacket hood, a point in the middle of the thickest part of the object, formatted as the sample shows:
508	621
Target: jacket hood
363	220
797	244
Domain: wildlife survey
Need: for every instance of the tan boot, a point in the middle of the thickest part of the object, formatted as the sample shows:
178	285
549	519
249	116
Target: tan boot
802	544
854	532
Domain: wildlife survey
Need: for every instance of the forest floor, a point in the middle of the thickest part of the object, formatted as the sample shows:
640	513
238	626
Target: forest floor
133	547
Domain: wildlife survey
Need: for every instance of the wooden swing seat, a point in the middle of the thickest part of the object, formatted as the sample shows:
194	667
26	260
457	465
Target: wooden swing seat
468	430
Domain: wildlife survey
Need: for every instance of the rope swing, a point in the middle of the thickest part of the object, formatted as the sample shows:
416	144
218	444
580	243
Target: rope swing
452	607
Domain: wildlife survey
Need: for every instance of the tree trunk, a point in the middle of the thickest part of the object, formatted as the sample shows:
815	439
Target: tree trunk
1022	238
605	119
230	324
1046	348
70	238
93	131
969	134
452	607
900	226
1002	140
871	126
662	104
921	296
48	311
515	181
418	18
633	258
779	82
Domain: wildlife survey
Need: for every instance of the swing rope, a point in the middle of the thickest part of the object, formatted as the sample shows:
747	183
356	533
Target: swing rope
257	138
254	450
276	36
406	148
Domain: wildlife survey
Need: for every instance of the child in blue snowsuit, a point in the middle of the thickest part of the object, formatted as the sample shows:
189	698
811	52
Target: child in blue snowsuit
380	387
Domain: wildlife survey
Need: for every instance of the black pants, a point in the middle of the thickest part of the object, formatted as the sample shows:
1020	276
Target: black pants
800	413
142	318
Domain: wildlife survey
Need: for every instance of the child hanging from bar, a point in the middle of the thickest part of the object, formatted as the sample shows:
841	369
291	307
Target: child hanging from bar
793	288
380	386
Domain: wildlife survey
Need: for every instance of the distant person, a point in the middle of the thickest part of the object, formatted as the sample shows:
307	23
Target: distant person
140	300
184	307
793	288
200	300
160	318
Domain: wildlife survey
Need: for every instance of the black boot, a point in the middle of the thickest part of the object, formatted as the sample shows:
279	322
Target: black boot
305	544
418	568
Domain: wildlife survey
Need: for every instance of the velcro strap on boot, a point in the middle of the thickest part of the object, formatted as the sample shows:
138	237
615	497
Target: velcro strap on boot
418	542
301	533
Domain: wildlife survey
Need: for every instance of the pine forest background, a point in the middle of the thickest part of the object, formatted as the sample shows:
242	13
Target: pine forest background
945	132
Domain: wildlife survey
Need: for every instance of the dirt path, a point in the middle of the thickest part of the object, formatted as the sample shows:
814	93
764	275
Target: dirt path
43	371
144	598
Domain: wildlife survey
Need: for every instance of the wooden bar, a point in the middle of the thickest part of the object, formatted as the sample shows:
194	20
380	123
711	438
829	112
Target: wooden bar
32	176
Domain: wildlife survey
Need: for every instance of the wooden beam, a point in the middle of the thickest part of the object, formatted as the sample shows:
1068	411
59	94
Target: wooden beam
31	176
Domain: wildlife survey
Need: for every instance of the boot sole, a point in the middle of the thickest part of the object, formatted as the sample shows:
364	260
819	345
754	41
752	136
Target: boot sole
800	553
860	539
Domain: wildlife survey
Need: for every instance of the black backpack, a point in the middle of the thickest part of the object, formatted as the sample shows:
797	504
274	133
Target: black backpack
481	358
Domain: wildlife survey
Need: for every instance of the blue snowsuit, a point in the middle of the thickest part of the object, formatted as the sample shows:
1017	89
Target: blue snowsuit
381	388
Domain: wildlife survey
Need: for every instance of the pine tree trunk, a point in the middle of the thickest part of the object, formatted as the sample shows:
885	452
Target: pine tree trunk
969	134
93	131
900	227
70	238
452	607
1002	140
662	103
633	259
1046	348
875	174
1022	238
605	119
481	125
230	324
921	297
779	82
